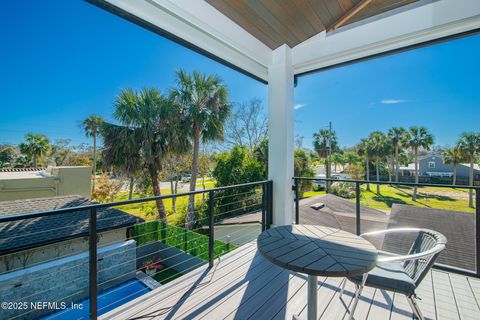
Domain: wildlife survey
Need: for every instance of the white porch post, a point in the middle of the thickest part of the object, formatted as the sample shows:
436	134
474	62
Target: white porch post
280	133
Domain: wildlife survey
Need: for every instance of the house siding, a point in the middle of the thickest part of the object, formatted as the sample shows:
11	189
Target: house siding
441	167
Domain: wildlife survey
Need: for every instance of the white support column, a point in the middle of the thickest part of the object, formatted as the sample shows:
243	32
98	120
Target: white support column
280	133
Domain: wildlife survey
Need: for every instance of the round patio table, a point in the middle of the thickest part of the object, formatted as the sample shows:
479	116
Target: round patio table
317	251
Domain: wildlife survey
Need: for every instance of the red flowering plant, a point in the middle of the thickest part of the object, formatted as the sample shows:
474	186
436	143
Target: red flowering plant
152	264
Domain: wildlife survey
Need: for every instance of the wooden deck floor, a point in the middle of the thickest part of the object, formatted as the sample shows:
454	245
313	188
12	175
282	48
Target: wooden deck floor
243	285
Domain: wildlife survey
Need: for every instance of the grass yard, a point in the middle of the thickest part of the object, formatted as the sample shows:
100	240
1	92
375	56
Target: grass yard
209	183
147	210
427	197
312	193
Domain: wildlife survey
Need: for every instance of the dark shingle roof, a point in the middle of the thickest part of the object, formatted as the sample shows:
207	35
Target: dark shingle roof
23	234
457	226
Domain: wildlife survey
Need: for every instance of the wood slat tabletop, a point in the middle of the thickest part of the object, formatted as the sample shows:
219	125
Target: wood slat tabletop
317	250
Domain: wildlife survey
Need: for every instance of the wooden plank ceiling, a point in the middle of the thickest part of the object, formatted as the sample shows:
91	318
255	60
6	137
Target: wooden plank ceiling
275	22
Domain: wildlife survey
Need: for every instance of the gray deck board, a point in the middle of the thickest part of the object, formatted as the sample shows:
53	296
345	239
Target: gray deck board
445	302
427	304
466	302
401	309
244	285
381	306
475	286
363	307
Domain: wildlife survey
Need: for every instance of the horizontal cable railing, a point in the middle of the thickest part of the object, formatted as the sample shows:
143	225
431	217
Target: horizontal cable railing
183	247
462	238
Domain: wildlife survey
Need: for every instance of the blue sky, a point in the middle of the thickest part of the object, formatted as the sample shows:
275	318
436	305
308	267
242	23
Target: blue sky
437	87
63	60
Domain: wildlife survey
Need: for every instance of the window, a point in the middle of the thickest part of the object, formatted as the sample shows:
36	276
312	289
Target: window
431	164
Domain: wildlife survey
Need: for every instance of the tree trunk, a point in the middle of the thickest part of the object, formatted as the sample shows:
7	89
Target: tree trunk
377	165
174	200
94	160
191	201
390	168
416	174
130	191
454	182
368	174
156	191
470	182
396	164
203	185
35	161
172	191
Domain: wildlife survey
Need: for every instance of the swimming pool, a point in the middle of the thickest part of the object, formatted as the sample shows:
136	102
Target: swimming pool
107	300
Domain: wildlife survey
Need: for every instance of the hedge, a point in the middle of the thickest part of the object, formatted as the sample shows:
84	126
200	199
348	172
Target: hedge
190	242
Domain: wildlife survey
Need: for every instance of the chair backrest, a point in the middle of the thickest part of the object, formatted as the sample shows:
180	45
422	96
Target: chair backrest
425	240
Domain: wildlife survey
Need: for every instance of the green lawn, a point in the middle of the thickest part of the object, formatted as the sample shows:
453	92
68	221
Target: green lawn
313	193
147	210
428	197
209	183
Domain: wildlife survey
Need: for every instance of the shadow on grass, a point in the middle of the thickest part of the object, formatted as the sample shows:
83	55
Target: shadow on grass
389	201
423	195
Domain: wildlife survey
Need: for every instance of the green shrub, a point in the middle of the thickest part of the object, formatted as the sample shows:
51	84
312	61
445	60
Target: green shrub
343	189
236	167
302	168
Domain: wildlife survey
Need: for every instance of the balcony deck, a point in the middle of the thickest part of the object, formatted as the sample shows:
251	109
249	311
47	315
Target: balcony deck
243	285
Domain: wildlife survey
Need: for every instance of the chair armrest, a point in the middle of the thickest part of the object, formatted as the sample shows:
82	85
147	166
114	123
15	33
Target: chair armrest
416	256
374	233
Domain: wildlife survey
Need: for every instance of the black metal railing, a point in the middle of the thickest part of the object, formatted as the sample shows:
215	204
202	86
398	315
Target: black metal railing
358	210
218	207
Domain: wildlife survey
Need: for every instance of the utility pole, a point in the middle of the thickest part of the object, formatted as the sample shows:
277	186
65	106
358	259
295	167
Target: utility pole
329	155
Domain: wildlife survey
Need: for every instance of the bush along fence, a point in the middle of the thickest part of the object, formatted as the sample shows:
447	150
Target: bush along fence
191	242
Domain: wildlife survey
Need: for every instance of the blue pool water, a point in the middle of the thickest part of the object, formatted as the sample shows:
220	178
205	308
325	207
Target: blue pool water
107	300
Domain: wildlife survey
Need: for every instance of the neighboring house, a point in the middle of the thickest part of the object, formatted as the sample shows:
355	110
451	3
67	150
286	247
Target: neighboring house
434	166
29	242
18	184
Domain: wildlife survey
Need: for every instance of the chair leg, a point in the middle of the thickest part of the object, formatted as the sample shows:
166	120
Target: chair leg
415	308
358	293
343	287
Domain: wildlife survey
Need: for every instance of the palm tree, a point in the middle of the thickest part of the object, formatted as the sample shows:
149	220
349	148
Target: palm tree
363	149
380	147
350	157
454	156
397	136
337	159
121	149
416	138
91	125
203	100
35	146
151	124
469	144
260	152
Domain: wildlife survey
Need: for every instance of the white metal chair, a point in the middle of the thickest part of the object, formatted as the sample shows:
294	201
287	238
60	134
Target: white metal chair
401	274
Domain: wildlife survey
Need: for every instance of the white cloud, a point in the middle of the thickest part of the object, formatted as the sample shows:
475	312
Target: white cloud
299	106
393	101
